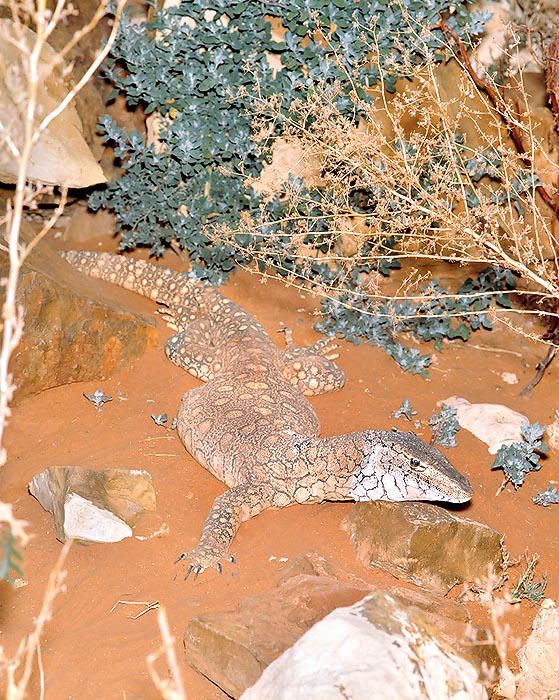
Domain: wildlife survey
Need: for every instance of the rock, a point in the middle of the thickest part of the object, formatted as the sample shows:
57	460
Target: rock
60	156
539	670
232	648
377	649
423	543
312	564
289	159
91	506
73	330
491	423
552	432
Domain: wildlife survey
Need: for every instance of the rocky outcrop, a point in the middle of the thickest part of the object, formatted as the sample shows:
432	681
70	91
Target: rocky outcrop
232	648
73	330
539	670
378	649
423	543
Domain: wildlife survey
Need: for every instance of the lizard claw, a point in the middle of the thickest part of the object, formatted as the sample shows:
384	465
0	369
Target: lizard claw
197	571
202	560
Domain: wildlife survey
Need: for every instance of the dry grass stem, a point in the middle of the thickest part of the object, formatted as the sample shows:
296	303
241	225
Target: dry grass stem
33	70
428	174
19	668
171	688
17	141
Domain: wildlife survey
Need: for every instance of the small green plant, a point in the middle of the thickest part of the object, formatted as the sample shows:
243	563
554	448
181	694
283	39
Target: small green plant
10	558
444	426
520	458
405	410
548	497
526	587
160	419
98	398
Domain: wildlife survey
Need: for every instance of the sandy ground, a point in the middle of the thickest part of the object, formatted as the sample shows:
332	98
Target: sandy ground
89	652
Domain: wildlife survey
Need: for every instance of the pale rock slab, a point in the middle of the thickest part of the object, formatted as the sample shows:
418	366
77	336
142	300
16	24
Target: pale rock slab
90	506
60	156
423	543
232	648
492	423
377	649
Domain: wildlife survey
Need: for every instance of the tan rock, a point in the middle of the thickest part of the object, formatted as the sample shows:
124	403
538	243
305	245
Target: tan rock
233	648
91	506
539	668
289	159
423	543
74	331
60	156
380	648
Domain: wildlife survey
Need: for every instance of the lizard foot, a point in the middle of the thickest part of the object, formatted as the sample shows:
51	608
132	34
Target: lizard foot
203	559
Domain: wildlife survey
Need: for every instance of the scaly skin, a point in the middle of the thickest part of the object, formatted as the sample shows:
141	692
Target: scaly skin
250	424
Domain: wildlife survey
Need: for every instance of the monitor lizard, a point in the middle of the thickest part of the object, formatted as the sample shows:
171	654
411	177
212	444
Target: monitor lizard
251	424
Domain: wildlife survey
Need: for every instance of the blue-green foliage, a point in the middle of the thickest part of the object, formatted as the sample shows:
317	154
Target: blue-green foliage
526	587
445	426
9	556
489	163
203	76
547	497
520	458
355	317
405	410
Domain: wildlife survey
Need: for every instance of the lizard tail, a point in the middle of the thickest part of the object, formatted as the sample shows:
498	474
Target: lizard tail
145	278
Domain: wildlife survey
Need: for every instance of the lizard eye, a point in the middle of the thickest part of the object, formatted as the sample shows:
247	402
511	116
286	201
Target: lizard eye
414	462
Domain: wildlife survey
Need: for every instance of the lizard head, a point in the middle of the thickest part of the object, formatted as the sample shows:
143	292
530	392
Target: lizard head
401	467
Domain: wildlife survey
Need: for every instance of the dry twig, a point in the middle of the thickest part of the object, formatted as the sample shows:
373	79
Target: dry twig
171	688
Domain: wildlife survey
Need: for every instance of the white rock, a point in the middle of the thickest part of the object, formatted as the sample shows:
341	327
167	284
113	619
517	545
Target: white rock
492	423
377	649
95	506
509	377
84	520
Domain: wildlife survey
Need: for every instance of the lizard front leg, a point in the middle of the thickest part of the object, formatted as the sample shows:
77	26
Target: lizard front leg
228	511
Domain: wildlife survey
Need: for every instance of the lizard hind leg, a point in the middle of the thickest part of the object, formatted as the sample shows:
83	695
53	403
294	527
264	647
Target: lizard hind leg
196	358
311	368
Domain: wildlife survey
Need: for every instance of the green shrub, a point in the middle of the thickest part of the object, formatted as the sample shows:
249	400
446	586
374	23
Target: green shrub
204	64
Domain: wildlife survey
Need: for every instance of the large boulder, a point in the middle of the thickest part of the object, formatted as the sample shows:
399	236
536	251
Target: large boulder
233	648
380	648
